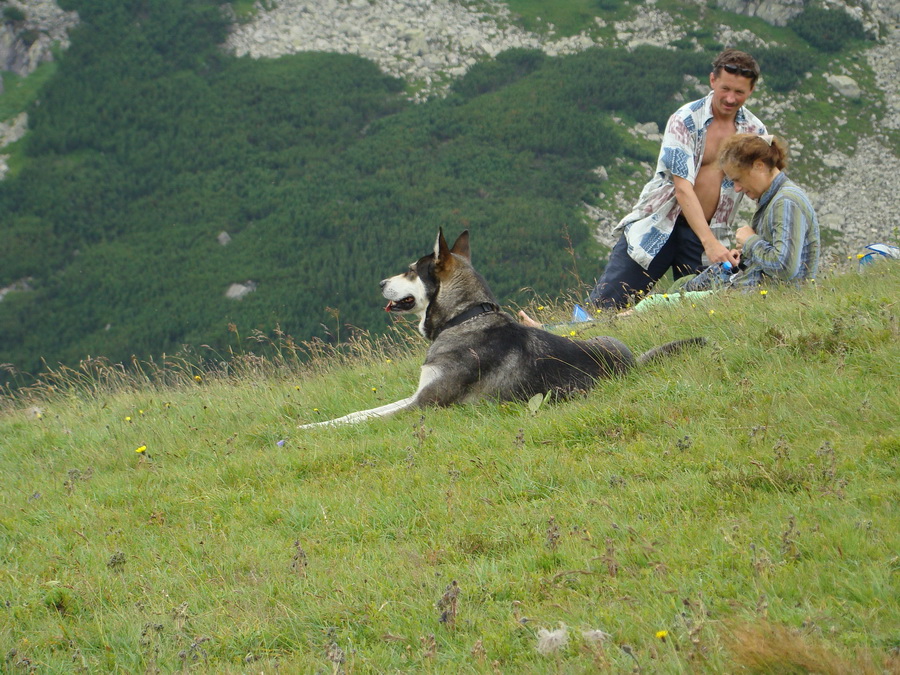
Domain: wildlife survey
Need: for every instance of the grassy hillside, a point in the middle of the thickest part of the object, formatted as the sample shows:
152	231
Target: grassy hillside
147	141
735	507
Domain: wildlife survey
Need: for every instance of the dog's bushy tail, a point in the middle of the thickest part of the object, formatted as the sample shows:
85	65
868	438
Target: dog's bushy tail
669	348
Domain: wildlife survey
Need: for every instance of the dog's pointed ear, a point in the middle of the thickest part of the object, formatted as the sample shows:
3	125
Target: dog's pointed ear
441	250
461	246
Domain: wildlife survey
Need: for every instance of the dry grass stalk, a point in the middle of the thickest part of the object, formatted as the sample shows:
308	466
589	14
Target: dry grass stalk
764	647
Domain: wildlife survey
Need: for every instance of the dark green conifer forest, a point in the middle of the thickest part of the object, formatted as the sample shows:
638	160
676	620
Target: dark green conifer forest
149	141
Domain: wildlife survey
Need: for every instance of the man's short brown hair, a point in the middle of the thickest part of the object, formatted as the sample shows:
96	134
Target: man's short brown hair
745	64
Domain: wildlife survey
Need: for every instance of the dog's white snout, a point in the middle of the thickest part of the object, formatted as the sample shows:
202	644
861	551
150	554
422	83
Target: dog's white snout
388	289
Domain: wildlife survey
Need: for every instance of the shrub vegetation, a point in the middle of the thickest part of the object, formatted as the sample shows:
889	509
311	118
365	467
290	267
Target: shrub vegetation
828	30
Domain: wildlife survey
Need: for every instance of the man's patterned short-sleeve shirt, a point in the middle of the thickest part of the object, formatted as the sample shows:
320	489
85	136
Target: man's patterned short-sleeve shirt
648	226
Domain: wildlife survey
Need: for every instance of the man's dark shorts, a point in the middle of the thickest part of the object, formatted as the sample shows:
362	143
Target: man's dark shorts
624	281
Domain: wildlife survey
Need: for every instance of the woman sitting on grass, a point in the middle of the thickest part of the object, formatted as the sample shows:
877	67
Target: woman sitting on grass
782	243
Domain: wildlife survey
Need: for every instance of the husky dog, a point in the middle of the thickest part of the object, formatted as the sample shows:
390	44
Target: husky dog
478	351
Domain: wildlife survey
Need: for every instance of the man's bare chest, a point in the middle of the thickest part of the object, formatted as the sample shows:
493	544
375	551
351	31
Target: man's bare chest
715	134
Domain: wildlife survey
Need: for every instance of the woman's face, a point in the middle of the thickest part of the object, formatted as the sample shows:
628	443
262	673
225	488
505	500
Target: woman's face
752	181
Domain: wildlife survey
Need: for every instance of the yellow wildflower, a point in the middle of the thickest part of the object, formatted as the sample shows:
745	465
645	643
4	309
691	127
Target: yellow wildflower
662	635
127	418
198	379
764	292
572	332
141	449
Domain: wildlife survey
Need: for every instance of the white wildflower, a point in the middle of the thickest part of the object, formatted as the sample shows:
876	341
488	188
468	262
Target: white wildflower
595	636
550	641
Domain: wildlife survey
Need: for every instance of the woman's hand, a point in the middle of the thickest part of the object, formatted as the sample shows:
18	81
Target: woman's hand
743	234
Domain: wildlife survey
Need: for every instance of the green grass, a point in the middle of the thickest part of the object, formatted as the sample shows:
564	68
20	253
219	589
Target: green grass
20	92
568	18
741	498
246	10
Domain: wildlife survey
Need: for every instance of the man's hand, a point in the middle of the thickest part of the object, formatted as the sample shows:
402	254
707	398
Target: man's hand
716	252
694	215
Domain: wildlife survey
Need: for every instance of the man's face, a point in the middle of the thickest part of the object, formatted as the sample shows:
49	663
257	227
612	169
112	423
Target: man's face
729	92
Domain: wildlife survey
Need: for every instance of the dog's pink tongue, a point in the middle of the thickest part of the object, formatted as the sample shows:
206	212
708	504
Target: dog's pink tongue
389	305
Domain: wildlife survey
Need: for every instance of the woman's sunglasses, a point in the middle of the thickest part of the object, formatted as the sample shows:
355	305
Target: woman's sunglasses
737	70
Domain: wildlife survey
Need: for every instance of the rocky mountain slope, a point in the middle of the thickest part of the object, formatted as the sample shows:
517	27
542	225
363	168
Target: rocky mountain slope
430	42
427	41
27	42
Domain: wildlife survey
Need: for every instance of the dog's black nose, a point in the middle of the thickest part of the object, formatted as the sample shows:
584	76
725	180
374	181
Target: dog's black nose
383	283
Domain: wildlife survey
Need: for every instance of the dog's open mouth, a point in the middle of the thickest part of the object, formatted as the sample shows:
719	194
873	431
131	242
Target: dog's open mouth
403	305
